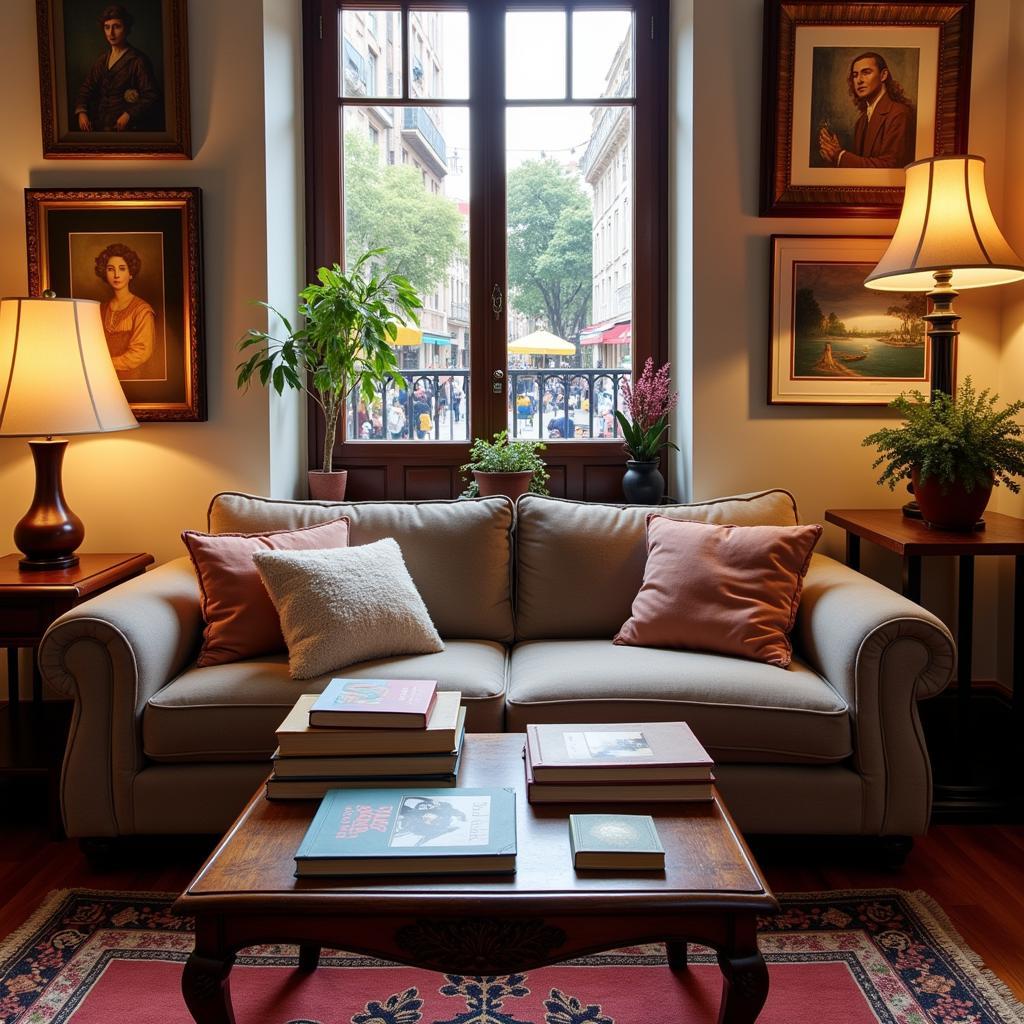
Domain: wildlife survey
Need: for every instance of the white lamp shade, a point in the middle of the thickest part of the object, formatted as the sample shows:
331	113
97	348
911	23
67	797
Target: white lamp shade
56	376
946	225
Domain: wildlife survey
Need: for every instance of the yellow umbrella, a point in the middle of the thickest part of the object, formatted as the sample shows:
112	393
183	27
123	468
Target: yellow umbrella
407	336
542	343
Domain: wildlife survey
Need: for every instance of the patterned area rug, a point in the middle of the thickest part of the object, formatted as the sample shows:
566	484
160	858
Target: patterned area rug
857	957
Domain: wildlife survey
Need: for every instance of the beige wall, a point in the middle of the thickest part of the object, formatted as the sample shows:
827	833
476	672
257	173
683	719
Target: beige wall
138	490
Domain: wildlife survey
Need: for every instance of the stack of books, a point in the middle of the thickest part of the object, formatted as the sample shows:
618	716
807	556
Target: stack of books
637	762
363	733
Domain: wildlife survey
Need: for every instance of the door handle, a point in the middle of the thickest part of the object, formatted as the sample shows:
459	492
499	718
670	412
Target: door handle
497	300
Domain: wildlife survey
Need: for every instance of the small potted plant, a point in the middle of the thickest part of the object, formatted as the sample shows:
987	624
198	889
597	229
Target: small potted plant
953	452
648	403
344	346
505	467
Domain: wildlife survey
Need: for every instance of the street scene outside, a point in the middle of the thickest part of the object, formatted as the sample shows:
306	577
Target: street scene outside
569	218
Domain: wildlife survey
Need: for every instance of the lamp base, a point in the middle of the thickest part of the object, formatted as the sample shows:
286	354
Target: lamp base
49	532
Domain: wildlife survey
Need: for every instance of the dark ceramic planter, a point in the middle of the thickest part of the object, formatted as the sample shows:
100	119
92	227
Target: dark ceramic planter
327	486
643	483
957	509
509	484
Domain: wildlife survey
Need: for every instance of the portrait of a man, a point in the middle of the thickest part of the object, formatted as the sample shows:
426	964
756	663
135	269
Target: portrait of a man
869	119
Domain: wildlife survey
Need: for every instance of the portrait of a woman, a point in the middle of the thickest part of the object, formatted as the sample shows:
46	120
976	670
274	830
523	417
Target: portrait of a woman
120	93
129	322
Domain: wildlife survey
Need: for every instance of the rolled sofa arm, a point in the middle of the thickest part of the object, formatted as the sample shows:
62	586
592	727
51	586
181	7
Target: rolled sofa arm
882	653
110	655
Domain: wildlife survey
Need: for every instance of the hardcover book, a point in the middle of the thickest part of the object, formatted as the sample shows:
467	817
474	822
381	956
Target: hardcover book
638	751
297	738
400	832
615	841
374	704
624	791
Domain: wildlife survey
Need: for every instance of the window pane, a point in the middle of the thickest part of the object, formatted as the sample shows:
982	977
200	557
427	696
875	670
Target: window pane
570	269
602	54
535	55
406	174
439	41
371	53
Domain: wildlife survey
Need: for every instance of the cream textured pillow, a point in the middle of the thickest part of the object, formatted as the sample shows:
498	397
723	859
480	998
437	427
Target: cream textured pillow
343	605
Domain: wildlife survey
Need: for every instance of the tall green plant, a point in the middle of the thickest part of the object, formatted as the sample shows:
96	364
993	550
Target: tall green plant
966	441
351	319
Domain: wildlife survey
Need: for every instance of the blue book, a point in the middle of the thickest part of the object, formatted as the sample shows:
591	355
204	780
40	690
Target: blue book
410	831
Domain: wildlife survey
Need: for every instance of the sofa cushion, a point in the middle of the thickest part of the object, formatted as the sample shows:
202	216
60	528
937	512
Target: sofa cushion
459	553
230	712
580	564
729	589
740	710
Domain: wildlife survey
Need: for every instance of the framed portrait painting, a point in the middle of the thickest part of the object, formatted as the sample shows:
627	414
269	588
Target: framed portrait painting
852	93
113	78
138	253
833	341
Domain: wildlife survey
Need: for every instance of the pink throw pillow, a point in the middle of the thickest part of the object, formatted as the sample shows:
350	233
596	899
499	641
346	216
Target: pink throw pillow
241	620
728	589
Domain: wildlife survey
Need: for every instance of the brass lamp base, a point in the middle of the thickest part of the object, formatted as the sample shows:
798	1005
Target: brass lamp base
49	532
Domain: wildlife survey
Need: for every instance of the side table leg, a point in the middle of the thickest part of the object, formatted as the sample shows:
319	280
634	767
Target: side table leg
852	550
206	988
309	958
675	953
912	577
744	976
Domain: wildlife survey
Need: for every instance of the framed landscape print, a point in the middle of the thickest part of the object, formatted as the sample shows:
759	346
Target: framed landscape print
833	341
853	92
137	252
113	78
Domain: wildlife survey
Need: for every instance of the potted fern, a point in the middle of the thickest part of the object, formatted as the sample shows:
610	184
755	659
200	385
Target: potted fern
350	319
953	451
505	467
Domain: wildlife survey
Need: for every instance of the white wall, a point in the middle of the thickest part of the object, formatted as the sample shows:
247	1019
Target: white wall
137	491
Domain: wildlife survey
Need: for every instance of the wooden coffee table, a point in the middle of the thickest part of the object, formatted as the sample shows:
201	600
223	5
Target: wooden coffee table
710	892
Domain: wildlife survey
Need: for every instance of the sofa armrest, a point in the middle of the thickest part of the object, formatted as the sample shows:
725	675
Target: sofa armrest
882	653
110	655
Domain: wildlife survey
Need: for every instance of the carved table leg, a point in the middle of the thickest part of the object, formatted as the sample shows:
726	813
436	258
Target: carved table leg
205	986
744	987
675	953
309	957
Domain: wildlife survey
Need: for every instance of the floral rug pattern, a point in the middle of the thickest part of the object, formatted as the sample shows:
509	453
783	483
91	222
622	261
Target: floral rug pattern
906	960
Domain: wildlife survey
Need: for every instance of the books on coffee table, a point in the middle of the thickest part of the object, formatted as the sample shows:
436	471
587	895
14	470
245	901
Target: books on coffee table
617	752
374	704
401	831
297	738
618	841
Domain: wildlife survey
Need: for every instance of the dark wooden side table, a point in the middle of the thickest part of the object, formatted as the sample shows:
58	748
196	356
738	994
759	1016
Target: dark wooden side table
912	540
33	733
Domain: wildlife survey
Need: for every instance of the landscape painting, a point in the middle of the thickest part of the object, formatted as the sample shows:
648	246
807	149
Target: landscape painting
834	340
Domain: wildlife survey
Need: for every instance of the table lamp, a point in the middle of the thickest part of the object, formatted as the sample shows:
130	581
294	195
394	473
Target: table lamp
56	377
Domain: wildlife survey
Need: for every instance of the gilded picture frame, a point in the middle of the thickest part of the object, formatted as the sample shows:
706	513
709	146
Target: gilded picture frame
138	253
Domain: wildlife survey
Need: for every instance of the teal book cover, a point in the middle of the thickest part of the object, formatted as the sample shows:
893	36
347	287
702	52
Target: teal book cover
400	823
615	840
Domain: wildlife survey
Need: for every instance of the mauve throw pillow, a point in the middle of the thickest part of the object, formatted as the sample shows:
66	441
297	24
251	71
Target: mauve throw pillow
727	589
346	605
240	619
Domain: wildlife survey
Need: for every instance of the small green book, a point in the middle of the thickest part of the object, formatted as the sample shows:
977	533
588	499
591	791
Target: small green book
618	841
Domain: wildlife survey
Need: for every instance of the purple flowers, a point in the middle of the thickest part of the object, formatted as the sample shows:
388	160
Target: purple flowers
649	402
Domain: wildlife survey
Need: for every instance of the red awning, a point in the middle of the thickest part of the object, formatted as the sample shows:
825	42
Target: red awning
616	334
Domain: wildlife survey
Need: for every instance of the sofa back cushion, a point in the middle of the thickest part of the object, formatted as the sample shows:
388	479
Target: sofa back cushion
459	553
579	564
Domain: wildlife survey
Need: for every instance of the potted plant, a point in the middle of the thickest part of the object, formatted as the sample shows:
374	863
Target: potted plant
344	346
953	451
648	402
505	467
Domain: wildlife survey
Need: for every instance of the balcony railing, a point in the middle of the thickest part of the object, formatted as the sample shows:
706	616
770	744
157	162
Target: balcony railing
417	119
459	311
547	405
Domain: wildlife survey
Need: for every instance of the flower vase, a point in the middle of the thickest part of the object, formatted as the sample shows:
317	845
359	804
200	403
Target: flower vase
643	483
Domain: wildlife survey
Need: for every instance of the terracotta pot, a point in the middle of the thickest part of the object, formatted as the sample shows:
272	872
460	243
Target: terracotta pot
956	509
509	484
327	486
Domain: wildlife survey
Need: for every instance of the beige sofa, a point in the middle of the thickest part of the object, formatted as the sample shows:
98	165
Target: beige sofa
527	600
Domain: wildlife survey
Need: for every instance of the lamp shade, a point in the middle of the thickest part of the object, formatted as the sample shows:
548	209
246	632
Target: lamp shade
946	225
56	376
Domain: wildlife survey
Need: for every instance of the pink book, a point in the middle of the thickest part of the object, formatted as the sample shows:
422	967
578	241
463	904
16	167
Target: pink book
374	704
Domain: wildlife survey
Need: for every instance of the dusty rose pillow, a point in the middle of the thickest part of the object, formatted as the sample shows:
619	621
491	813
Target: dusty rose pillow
241	621
728	589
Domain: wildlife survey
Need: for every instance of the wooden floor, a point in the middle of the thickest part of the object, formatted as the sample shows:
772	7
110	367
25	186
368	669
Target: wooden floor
974	872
